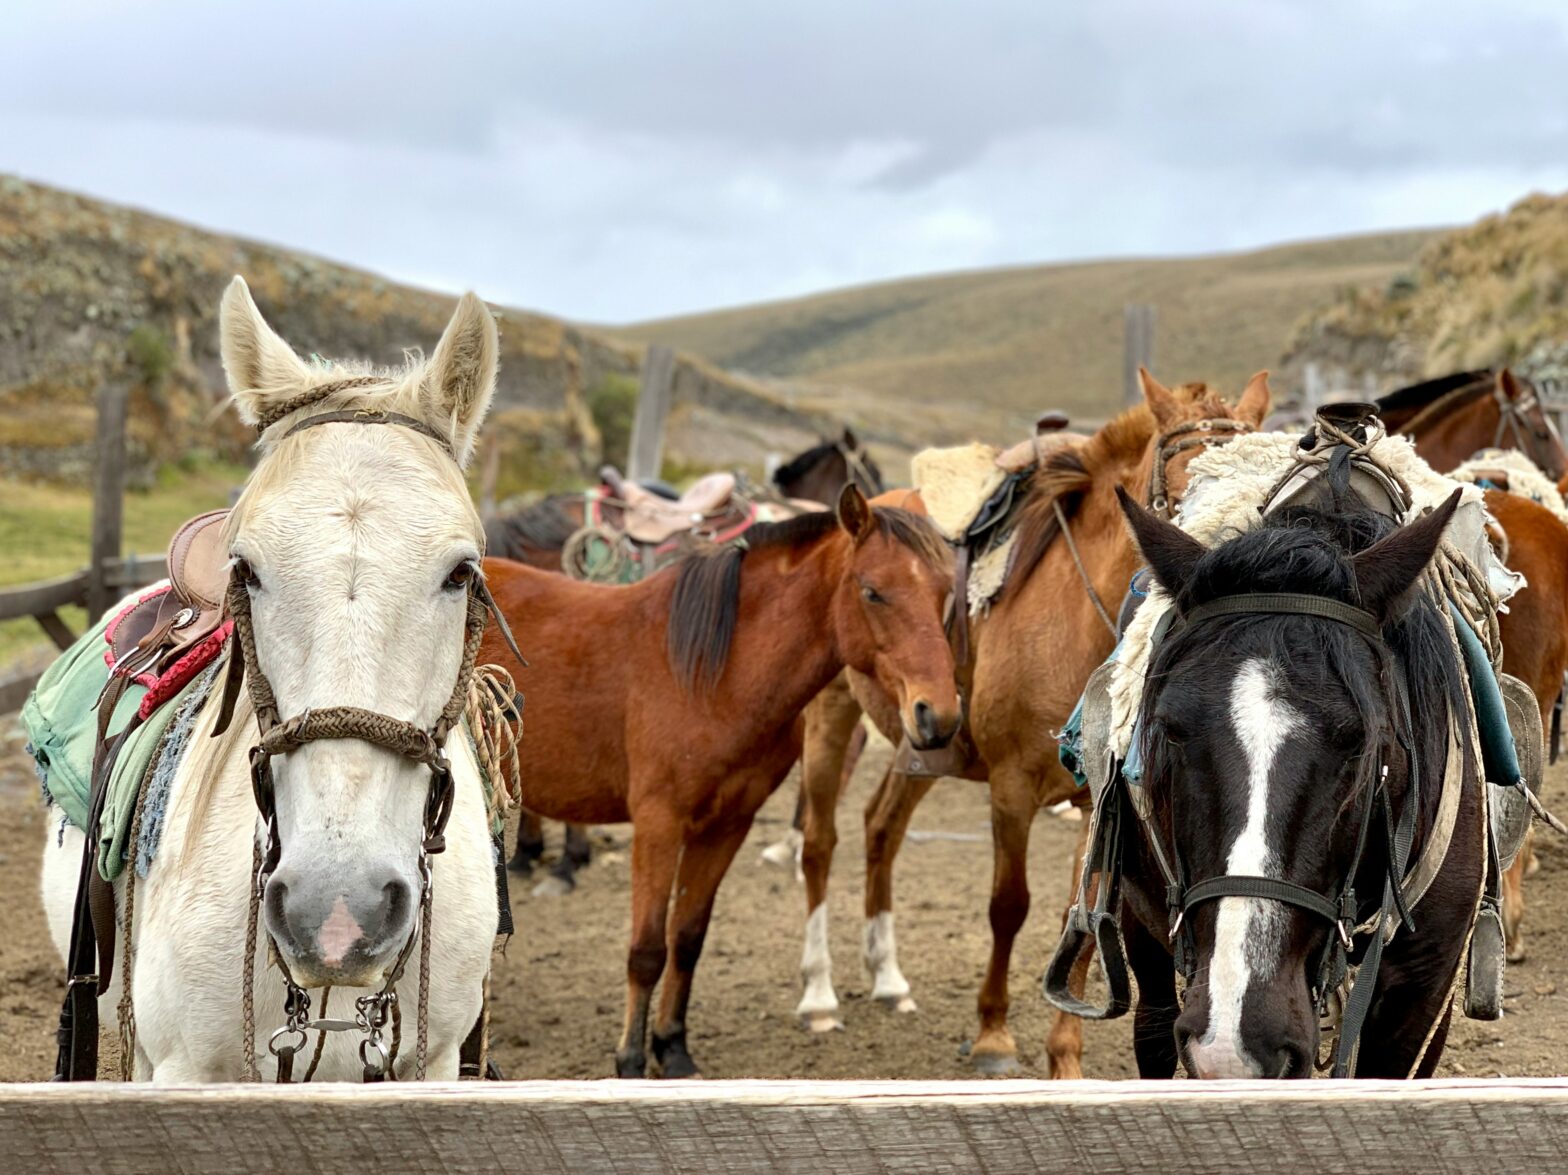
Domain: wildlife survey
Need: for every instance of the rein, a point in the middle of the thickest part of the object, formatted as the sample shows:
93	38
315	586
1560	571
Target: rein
281	736
859	472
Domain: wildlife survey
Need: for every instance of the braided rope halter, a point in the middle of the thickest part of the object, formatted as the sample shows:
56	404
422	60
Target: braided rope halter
281	736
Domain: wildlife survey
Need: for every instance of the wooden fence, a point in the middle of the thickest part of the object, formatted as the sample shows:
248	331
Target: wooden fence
107	577
757	1126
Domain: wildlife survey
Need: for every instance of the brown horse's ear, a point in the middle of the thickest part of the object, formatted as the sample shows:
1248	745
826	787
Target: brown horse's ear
849	441
854	513
1254	403
1389	568
1171	553
1508	385
1161	400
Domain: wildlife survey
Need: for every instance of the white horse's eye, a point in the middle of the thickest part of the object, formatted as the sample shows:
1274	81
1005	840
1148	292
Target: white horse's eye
247	574
460	576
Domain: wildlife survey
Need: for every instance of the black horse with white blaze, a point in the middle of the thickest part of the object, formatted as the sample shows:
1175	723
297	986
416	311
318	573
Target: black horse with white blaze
1295	734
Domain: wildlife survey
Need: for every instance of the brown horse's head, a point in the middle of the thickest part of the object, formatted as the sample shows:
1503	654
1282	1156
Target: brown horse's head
1524	425
1185	424
887	613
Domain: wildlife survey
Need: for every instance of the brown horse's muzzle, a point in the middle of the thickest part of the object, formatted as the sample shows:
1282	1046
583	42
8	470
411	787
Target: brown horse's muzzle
929	728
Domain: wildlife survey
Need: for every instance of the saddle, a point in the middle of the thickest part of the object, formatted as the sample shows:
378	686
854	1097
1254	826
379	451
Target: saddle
149	639
652	518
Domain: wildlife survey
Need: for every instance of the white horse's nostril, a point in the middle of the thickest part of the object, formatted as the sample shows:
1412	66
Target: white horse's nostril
338	934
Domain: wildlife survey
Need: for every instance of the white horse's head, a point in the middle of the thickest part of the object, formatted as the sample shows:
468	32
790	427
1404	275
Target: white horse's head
357	544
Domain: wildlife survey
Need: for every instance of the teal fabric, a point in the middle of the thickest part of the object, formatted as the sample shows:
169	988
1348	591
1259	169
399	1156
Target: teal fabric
1070	741
61	720
1498	754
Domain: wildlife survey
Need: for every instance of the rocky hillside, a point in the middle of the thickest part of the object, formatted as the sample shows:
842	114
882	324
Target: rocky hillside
1495	292
91	292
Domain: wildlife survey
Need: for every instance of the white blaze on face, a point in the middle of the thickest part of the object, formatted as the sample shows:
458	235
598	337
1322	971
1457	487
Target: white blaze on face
1248	930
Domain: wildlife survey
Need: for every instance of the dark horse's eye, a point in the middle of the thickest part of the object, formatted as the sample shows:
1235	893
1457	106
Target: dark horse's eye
460	576
246	574
872	596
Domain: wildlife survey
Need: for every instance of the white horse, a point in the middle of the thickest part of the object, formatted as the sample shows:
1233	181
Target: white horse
358	542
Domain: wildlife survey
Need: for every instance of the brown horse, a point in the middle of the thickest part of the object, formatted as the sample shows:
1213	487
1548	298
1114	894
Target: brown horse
818	474
675	703
1031	654
1535	642
1452	418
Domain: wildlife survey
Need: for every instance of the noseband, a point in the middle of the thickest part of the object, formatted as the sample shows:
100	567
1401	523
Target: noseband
1513	417
281	736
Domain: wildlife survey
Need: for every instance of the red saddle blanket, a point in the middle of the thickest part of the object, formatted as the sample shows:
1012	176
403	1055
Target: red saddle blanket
163	686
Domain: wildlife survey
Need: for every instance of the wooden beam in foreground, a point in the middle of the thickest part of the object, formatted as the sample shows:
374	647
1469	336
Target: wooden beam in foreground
757	1126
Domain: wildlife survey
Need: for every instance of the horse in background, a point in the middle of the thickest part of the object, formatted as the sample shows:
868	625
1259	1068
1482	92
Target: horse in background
1030	655
818	474
537	534
675	703
1452	418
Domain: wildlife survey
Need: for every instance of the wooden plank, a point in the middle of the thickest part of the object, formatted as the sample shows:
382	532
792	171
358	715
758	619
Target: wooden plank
653	407
108	496
757	1126
56	629
14	691
1137	348
29	599
124	575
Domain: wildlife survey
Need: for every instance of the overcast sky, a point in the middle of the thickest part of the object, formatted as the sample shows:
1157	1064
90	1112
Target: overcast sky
614	160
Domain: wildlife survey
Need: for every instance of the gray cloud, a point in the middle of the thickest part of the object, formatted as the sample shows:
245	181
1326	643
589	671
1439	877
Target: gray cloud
617	159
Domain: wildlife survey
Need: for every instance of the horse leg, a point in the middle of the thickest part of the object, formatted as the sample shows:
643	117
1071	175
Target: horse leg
704	862
785	852
530	843
575	855
1012	813
887	820
1064	1045
831	720
656	851
1513	908
1154	1020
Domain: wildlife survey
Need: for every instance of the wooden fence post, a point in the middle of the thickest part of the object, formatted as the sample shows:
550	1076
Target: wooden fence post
108	495
1137	348
653	406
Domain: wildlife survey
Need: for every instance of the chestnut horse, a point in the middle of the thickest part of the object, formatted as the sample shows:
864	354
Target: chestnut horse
1452	418
675	703
1031	654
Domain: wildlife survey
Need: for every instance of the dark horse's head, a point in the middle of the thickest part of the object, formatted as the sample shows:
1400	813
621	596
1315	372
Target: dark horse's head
818	474
1264	737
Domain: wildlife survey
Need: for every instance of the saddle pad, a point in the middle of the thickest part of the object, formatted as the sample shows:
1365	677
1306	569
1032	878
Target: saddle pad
61	721
955	483
1524	477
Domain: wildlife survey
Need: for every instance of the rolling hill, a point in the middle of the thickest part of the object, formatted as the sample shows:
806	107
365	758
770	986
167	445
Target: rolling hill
933	359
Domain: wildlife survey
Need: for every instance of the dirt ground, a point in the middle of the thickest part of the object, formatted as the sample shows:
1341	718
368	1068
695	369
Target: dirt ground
558	988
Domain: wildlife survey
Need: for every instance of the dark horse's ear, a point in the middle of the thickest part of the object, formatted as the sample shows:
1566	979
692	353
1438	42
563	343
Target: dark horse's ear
1389	568
849	441
854	513
1171	553
1508	384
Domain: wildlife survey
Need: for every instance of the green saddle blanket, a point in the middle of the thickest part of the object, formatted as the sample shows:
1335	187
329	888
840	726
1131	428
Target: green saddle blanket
61	721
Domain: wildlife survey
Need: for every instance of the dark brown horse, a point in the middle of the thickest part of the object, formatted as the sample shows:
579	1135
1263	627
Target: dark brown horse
818	474
1031	654
675	703
1452	418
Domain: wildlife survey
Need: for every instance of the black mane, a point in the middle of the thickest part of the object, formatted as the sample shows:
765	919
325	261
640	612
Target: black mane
797	467
1417	396
543	526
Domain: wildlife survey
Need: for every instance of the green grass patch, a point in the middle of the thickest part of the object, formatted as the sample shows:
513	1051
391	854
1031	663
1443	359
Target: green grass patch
45	531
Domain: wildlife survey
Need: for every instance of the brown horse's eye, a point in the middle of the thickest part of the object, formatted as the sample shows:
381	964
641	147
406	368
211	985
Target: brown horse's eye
871	595
460	576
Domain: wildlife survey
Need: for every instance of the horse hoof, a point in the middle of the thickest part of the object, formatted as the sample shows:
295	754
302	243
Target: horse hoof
1517	953
902	1004
631	1065
520	865
553	887
994	1064
1066	1069
678	1067
820	1022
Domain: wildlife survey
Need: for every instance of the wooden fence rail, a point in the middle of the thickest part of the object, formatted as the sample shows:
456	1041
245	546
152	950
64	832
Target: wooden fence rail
757	1126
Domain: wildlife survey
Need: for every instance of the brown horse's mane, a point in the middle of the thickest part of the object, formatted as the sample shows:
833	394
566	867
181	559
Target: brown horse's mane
705	604
1414	398
1067	475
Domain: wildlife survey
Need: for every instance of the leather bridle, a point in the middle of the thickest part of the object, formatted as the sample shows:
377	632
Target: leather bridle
1514	419
281	736
1173	443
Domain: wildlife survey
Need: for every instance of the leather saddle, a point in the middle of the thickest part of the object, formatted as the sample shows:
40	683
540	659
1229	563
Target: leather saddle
1049	435
650	518
158	631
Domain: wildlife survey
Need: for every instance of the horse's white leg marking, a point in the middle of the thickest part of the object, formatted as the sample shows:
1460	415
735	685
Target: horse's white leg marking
1247	931
819	1002
881	951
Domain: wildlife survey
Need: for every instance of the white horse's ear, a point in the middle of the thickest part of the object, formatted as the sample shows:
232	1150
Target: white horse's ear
460	379
260	366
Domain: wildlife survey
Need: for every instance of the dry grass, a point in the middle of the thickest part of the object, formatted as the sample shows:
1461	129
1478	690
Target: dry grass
985	351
